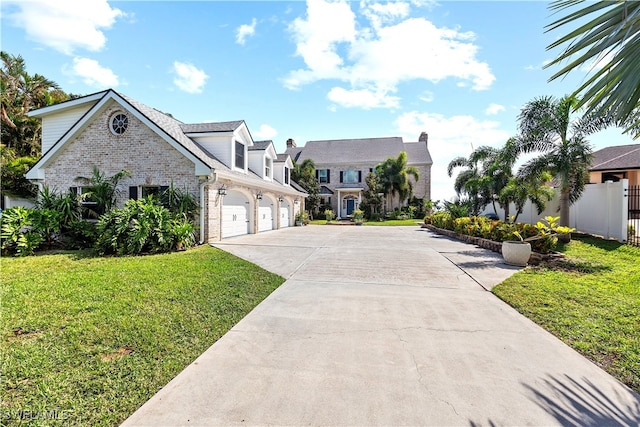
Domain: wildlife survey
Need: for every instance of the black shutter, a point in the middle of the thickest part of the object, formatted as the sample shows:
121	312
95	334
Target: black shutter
329	200
133	192
328	176
359	176
316	174
341	177
73	190
163	188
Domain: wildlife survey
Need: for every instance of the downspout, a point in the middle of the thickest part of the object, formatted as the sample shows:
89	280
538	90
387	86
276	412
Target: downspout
211	179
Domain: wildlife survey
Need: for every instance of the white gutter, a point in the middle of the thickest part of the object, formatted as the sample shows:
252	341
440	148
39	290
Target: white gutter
209	181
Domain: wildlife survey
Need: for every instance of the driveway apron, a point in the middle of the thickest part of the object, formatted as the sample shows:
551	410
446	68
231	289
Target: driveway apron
385	326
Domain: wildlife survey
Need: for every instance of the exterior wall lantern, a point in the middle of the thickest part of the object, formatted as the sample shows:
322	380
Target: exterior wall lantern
222	190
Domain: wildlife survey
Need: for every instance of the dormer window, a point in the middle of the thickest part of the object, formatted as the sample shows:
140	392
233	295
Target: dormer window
239	155
267	168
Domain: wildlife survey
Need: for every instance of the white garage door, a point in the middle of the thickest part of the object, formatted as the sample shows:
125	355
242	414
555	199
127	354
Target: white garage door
235	215
265	216
284	215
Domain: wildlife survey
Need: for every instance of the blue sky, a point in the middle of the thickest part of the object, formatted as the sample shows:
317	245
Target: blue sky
312	70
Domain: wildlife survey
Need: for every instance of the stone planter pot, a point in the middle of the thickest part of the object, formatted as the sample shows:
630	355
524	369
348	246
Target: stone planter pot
516	252
564	237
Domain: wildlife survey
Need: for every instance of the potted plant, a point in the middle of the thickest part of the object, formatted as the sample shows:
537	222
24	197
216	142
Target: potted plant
516	252
358	216
302	218
328	214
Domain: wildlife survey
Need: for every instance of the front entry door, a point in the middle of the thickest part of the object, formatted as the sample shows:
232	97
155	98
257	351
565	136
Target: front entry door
351	204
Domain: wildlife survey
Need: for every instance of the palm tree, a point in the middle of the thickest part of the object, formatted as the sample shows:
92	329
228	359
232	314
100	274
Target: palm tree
20	93
483	177
546	127
468	182
394	176
304	174
103	190
609	43
519	189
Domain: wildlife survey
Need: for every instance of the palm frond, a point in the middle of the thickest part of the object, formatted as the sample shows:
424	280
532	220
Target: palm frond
607	30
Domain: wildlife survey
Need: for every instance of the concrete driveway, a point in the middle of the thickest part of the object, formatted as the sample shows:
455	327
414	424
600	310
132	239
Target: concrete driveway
385	326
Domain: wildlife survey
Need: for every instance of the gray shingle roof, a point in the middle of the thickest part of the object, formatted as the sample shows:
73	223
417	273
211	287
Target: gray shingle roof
173	128
211	127
617	157
365	150
417	152
260	145
294	152
282	157
325	190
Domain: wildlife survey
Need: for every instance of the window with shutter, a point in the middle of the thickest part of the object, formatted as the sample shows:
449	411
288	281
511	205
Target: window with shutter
133	192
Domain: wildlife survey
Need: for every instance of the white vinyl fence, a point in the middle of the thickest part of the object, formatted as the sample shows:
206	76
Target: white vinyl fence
602	210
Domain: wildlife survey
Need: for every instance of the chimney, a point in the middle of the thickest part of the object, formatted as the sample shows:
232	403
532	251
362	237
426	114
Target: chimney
424	137
291	143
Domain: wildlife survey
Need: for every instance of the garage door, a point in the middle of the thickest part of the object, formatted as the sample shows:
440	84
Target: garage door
235	215
265	215
284	215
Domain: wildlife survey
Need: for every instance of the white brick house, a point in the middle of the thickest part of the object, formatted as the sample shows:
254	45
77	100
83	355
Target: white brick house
242	186
343	164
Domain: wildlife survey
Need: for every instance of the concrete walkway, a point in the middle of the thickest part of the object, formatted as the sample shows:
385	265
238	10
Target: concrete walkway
385	326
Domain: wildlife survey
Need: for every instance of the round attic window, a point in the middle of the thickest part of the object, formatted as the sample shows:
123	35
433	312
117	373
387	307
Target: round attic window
118	124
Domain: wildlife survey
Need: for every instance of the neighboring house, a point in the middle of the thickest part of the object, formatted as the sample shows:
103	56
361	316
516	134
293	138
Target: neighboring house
343	164
616	163
242	186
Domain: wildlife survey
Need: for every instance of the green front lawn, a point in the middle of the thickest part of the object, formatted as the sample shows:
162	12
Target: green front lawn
591	301
89	340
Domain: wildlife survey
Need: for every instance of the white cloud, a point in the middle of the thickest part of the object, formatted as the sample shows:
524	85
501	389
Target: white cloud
379	13
494	109
94	74
266	132
427	96
244	31
393	49
64	25
362	98
189	78
317	38
599	62
449	137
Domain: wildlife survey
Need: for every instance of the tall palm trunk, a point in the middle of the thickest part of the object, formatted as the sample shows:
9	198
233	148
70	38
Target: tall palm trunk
565	204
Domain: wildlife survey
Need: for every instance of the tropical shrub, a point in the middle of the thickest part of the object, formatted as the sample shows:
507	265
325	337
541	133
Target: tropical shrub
184	233
179	202
24	230
141	226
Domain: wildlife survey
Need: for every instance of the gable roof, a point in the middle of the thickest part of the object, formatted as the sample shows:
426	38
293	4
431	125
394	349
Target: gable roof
361	150
173	131
173	128
211	127
164	125
616	158
260	145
